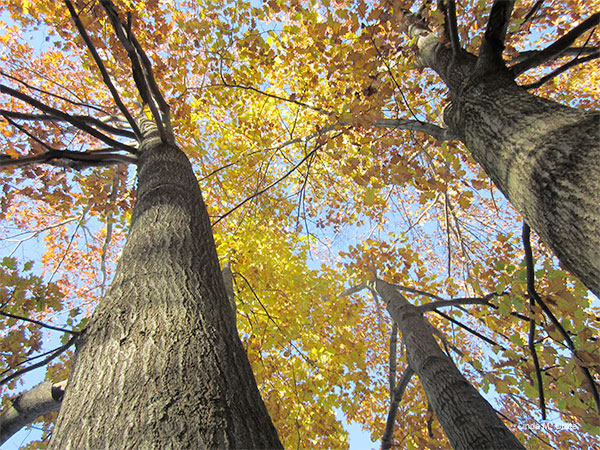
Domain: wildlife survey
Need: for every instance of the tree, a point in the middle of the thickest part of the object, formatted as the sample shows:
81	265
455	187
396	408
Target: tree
306	105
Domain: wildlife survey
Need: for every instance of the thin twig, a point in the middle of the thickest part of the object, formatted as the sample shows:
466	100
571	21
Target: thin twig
45	361
567	339
470	330
262	191
37	322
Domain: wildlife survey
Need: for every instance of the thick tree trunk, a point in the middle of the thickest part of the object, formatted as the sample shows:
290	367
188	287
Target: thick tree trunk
160	364
544	156
466	417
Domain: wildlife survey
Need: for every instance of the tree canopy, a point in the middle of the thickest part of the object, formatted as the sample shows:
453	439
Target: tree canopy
319	144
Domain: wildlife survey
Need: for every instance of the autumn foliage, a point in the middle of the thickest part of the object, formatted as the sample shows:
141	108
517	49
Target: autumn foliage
294	116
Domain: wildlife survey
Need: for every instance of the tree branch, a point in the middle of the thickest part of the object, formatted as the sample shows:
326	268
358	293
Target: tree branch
105	76
567	339
70	159
492	46
92	121
42	399
273	96
66	118
393	352
534	9
533	296
388	433
470	330
450	24
50	357
140	75
560	70
165	110
262	191
51	94
571	51
439	133
37	322
432	306
556	49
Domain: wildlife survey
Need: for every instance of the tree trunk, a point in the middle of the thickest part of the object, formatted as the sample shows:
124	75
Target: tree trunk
160	364
544	156
466	417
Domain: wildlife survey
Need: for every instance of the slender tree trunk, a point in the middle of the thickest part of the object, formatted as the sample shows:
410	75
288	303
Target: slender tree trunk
160	364
466	417
544	156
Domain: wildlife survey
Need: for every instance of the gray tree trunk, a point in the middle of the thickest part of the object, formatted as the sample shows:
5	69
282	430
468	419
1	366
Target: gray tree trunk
544	156
160	364
466	417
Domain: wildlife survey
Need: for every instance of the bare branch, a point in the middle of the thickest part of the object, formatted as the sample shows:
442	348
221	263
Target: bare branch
50	357
70	159
561	69
388	433
105	76
556	49
28	406
82	125
37	322
92	121
439	133
535	296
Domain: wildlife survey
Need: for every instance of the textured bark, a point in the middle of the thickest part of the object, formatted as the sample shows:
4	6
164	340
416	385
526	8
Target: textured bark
160	364
544	156
30	405
466	417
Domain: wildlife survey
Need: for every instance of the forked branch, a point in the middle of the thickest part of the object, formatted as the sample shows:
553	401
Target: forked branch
142	72
558	48
388	433
83	125
574	62
105	76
